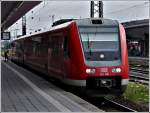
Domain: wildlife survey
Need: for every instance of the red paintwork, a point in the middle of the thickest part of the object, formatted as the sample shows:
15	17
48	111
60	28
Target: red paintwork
73	67
78	67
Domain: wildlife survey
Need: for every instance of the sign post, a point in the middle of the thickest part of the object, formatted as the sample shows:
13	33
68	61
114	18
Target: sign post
5	36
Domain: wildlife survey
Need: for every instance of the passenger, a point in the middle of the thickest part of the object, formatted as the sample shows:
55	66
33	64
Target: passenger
130	51
6	55
133	51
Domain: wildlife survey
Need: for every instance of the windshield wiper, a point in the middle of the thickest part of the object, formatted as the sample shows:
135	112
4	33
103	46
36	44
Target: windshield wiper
89	45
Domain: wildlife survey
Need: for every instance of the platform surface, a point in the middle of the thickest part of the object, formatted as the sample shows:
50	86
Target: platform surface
23	91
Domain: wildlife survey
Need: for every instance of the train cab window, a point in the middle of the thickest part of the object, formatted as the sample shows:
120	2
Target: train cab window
101	43
66	50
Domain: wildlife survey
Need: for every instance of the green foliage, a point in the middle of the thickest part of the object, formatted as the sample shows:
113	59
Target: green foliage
137	92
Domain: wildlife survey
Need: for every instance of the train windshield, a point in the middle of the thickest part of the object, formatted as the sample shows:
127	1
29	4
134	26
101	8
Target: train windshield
100	41
101	48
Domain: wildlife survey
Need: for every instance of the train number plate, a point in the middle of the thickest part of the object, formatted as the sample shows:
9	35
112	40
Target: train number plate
103	70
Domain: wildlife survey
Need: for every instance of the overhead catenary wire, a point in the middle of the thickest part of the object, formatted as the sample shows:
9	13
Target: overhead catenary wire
145	3
36	13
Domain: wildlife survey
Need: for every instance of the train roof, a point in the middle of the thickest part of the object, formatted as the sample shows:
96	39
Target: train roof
89	22
80	22
41	32
96	22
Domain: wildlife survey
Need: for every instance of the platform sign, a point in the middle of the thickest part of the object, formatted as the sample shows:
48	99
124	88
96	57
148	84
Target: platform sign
5	36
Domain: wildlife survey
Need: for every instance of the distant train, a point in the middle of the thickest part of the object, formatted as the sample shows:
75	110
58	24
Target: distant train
88	53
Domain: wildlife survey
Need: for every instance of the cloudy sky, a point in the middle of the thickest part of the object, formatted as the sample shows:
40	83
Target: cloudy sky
40	17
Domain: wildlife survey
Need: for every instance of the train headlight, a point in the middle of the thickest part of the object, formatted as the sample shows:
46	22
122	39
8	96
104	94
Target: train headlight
90	70
116	70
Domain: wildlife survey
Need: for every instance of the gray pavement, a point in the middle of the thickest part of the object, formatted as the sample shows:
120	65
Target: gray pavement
23	91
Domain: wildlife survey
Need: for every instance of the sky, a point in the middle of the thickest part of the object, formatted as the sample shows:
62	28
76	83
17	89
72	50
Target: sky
40	17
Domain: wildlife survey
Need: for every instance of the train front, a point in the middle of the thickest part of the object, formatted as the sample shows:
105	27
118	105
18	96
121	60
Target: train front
105	56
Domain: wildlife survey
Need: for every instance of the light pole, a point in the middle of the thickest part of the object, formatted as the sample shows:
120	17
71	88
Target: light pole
24	25
52	18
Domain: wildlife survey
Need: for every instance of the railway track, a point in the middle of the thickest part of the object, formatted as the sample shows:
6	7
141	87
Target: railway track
139	61
140	70
107	105
143	79
139	74
114	106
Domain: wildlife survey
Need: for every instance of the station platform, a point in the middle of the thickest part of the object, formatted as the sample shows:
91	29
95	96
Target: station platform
23	91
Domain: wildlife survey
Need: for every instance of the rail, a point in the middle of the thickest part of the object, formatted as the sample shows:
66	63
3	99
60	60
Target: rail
139	77
142	61
138	58
139	70
118	106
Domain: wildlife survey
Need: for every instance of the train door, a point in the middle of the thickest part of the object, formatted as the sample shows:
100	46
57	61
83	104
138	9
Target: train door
66	57
50	45
44	53
55	55
35	57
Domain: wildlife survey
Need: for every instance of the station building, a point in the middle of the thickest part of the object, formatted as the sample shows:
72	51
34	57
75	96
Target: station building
137	33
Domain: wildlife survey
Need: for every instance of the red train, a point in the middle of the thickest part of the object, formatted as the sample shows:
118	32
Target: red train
89	53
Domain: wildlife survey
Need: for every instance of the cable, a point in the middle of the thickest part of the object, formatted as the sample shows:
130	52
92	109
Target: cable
128	8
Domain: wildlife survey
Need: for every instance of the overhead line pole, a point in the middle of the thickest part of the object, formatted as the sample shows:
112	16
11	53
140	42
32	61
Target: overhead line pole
24	25
96	9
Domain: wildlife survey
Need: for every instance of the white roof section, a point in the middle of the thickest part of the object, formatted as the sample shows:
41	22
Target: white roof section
41	32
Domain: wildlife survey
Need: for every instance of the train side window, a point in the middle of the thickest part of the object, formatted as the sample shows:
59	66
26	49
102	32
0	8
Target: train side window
66	49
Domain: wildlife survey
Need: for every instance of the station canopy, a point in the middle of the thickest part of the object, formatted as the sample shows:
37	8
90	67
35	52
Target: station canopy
11	11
